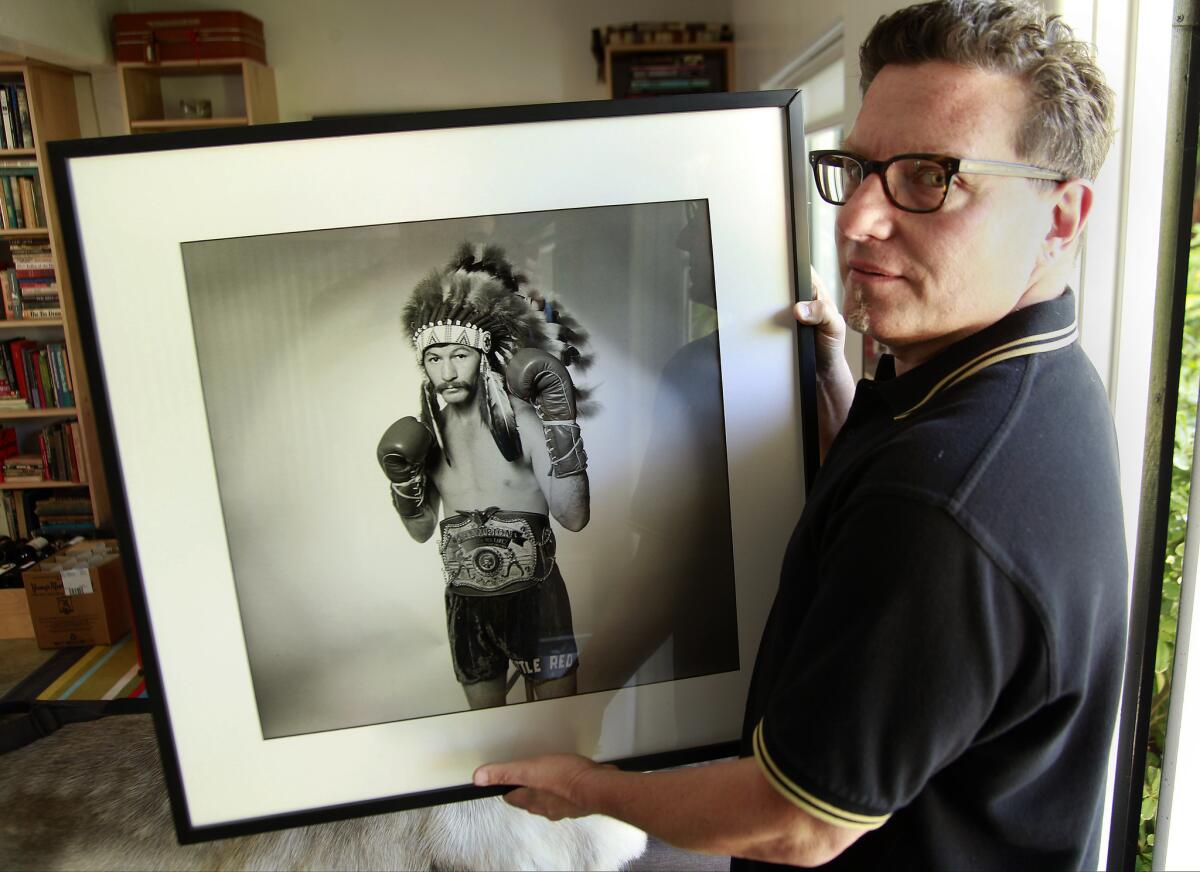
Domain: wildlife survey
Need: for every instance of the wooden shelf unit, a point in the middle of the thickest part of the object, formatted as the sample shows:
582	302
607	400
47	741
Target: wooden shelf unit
37	485
53	115
719	55
20	324
34	414
241	92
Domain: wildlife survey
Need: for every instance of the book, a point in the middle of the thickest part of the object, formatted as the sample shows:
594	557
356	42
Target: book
34	314
62	469
26	123
74	508
72	451
77	453
10	372
9	207
54	351
14	116
6	119
25	193
64	375
5	290
24	468
14	515
43	442
24	355
53	450
14	294
68	380
14	352
12	191
43	371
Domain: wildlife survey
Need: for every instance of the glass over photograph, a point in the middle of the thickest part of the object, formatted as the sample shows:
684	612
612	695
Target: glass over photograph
469	462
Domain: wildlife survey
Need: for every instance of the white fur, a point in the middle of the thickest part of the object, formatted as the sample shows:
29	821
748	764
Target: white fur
92	796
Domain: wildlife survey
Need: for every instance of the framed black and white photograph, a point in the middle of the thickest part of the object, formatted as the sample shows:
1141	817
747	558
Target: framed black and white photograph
445	438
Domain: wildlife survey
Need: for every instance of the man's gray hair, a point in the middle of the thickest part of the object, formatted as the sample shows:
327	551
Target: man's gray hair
1069	123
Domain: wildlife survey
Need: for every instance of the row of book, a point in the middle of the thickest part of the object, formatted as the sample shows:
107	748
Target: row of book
30	285
667	33
684	73
23	206
57	455
27	513
681	72
35	375
16	126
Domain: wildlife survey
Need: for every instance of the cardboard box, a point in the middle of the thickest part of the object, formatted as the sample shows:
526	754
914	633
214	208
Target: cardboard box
15	622
78	596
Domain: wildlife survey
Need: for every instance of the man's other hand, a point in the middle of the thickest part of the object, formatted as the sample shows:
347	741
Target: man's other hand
546	785
822	313
835	383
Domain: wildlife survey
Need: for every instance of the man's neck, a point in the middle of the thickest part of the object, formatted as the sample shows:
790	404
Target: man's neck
911	356
461	414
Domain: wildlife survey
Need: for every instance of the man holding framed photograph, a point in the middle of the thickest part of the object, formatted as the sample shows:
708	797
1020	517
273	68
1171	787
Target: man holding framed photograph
499	446
938	681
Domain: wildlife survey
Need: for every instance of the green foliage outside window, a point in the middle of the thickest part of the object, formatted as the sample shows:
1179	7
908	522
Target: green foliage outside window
1181	484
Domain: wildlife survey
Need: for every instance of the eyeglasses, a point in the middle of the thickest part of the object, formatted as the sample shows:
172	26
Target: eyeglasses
912	182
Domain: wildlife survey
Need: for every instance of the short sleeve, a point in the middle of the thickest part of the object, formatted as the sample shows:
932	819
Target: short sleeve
912	636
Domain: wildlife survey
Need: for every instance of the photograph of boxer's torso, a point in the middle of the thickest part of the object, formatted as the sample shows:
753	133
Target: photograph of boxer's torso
494	454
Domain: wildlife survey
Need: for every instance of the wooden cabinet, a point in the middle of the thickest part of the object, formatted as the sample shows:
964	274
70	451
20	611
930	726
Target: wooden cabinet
52	114
237	91
649	70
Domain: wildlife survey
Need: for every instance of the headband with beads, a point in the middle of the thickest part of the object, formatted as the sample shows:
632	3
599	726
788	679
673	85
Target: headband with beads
452	333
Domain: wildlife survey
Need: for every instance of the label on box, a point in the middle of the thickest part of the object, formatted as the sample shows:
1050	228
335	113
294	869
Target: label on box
77	581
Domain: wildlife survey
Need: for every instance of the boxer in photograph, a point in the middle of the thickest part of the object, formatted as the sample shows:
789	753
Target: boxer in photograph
497	444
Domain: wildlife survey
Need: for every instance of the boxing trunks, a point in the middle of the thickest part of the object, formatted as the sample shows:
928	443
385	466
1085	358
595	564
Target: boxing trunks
505	598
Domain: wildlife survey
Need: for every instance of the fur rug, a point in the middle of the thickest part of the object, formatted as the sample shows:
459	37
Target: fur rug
92	796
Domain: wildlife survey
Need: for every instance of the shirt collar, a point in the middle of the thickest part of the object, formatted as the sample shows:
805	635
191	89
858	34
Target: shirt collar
1032	330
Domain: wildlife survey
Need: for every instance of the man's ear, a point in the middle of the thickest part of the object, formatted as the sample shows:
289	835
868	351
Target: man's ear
1072	201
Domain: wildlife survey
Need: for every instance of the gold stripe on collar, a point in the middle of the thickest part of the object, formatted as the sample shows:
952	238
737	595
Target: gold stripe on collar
1017	348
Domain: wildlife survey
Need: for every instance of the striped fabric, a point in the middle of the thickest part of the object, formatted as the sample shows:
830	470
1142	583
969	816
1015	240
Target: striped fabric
104	672
798	796
1022	347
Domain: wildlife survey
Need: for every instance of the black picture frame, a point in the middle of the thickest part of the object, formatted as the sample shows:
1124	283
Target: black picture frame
96	182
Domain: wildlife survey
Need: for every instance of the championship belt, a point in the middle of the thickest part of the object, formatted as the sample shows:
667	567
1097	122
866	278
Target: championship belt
492	552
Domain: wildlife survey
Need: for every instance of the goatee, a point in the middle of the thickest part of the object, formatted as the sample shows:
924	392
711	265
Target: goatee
857	316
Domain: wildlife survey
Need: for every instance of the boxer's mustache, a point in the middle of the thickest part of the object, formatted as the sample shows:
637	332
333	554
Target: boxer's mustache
446	386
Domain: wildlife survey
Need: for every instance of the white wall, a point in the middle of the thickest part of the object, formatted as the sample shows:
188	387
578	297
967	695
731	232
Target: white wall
74	34
70	32
386	55
771	34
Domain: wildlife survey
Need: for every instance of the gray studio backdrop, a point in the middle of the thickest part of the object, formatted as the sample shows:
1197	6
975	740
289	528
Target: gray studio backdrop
304	364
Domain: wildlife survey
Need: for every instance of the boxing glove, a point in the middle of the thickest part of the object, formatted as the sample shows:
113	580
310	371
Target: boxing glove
402	452
539	379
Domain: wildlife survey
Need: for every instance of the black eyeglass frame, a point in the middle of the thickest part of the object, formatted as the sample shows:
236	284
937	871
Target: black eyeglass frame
951	165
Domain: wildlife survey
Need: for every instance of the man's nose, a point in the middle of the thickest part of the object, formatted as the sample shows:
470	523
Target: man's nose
448	373
868	213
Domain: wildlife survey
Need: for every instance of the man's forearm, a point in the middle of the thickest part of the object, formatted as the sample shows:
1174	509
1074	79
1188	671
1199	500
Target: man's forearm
835	393
570	500
723	808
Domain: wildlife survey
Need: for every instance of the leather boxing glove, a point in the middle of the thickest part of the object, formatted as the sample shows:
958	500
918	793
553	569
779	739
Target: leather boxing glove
402	452
539	379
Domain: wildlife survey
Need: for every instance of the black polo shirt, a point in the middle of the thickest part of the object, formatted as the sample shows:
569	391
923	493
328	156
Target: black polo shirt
942	662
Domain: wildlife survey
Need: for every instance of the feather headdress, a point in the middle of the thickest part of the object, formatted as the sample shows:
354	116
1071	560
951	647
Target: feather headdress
478	300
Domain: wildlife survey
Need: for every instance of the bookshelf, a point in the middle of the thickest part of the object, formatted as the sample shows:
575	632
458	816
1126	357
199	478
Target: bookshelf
240	91
51	114
658	70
